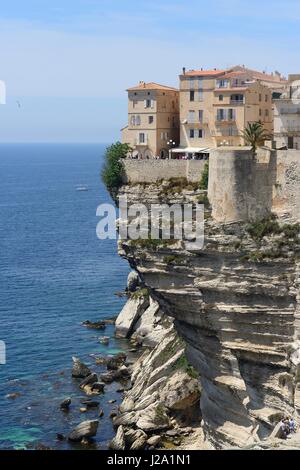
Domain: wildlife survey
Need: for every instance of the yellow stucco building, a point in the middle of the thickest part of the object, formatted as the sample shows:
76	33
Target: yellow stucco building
153	120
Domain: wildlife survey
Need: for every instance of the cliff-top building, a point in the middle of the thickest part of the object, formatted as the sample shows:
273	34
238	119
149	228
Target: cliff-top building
153	120
217	105
287	115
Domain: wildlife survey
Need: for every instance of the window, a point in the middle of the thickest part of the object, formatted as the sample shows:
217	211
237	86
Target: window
231	114
200	95
192	95
200	133
222	83
221	97
173	121
192	133
266	112
239	99
192	83
259	97
148	104
142	138
151	119
164	135
173	104
191	117
266	98
200	115
260	112
137	120
134	103
220	114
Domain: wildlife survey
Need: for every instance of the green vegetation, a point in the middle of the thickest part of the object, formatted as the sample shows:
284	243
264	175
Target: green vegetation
172	259
203	199
259	229
152	244
183	363
255	135
287	239
113	169
204	178
138	294
270	226
176	186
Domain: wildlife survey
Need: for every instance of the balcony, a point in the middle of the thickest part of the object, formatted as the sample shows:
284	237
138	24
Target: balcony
237	102
225	133
289	129
225	120
289	111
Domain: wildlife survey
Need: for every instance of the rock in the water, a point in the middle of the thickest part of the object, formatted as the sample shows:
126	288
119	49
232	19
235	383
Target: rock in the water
97	325
89	380
65	404
12	396
118	442
101	413
154	441
111	376
98	387
90	403
104	339
113	414
60	437
113	363
111	401
79	370
86	429
133	281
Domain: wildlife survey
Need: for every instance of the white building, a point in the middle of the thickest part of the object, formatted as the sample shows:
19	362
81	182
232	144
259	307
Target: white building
287	115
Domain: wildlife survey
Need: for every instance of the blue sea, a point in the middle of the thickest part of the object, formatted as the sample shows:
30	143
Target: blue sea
54	274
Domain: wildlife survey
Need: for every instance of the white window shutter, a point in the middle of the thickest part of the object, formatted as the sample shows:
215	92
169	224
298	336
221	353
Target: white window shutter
145	104
152	103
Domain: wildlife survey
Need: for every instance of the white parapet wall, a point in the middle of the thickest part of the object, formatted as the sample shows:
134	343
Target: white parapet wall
151	171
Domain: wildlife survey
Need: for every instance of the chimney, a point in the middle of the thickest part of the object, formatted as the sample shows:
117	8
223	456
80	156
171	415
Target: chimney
142	83
183	70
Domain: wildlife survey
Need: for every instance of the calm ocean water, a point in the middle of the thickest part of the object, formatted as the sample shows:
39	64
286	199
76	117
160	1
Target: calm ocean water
54	273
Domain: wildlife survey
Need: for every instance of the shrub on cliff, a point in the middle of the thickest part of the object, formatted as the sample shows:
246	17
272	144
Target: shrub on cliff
204	177
113	168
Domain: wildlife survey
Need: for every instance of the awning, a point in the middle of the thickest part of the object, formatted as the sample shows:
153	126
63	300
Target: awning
191	150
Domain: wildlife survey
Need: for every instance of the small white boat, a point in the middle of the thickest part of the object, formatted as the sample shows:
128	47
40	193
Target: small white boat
82	187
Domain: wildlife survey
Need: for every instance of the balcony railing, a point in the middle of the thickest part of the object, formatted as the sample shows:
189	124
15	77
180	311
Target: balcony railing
289	129
237	102
225	133
289	111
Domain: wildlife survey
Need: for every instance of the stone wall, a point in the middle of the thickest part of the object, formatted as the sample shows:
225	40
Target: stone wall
243	187
150	171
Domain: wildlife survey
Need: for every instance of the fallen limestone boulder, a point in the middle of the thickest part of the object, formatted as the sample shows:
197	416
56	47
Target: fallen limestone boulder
84	430
89	380
80	370
118	442
154	441
129	315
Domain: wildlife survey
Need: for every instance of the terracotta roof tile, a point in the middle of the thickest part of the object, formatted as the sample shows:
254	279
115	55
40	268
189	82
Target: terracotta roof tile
204	73
151	86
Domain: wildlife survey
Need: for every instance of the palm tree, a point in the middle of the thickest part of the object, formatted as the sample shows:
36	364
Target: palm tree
255	135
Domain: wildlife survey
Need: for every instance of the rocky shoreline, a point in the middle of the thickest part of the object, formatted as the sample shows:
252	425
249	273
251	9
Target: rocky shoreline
161	391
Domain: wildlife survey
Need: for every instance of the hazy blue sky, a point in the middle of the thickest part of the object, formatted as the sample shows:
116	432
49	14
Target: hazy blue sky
68	62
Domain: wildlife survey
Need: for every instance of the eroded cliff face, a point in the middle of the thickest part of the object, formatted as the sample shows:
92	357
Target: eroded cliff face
236	306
